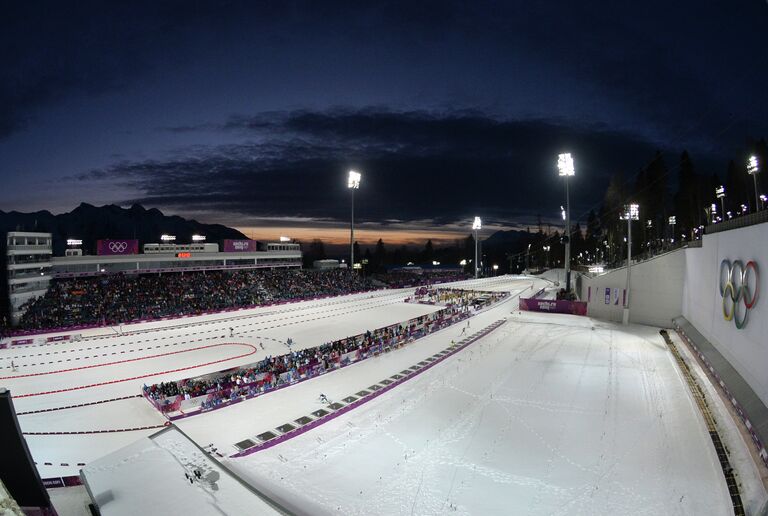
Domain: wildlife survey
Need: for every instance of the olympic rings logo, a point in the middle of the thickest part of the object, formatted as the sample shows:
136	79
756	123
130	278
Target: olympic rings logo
736	288
118	247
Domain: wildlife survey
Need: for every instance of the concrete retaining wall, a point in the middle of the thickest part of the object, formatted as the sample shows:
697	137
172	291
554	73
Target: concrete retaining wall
657	291
746	349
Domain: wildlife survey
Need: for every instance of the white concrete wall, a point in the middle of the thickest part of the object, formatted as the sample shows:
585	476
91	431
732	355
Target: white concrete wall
657	291
746	349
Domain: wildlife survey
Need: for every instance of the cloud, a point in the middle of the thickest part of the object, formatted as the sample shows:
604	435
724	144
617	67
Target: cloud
417	166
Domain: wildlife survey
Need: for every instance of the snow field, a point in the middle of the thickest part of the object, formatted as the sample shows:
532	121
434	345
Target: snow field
308	323
537	418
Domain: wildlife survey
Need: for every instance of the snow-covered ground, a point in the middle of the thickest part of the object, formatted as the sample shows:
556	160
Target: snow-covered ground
114	363
157	476
549	414
543	416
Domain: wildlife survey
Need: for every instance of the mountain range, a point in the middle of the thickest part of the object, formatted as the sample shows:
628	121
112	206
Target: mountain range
90	223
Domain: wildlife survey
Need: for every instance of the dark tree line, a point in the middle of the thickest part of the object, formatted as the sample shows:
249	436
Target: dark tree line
661	192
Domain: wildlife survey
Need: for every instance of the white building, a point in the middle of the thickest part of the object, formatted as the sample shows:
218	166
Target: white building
28	265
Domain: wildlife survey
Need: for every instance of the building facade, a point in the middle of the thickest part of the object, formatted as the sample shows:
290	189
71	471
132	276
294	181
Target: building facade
28	269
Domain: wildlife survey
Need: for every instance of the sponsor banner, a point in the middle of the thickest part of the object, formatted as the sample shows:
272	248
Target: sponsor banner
239	246
53	482
110	247
69	481
20	342
57	338
559	306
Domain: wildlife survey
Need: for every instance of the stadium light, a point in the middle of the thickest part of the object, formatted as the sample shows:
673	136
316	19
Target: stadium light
753	169
167	238
74	242
763	200
495	269
720	191
477	224
631	212
565	164
672	222
566	169
720	194
353	180
285	239
198	238
353	183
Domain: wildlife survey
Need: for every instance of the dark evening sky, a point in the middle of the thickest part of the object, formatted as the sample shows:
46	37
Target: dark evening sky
250	113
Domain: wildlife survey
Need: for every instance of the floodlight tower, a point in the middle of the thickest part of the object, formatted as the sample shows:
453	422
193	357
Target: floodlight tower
720	194
631	212
566	170
353	183
477	224
753	169
673	222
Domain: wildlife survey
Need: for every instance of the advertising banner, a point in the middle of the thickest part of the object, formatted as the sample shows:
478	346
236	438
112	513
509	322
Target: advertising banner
109	247
239	246
559	306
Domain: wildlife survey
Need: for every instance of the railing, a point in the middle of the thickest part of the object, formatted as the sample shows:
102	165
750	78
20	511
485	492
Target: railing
30	247
741	221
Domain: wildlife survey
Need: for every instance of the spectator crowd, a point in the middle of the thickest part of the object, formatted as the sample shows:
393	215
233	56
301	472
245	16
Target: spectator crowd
273	371
400	278
120	298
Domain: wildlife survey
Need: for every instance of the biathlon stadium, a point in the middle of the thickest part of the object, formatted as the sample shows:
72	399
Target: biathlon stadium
243	384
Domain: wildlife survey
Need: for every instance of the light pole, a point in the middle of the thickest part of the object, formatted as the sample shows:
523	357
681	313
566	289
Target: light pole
672	222
631	212
546	248
565	169
753	169
720	194
353	183
477	224
527	258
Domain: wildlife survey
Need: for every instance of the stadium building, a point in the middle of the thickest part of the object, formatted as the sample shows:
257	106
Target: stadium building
30	264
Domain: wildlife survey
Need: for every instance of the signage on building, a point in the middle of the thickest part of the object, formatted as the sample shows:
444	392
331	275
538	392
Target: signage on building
108	247
239	246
